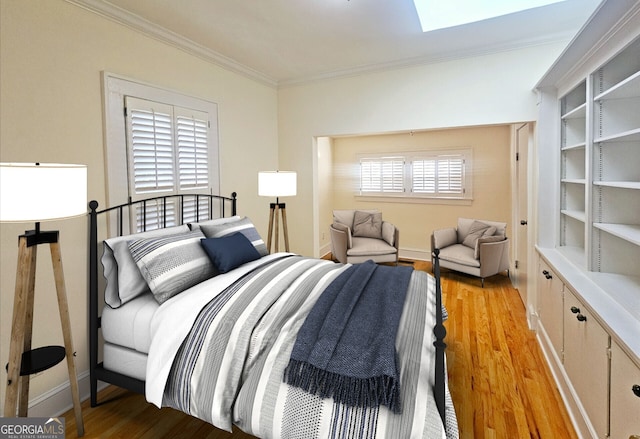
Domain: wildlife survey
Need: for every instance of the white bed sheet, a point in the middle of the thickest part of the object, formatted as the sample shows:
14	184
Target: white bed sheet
130	325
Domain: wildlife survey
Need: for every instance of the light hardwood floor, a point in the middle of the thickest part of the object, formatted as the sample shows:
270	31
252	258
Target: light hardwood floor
500	384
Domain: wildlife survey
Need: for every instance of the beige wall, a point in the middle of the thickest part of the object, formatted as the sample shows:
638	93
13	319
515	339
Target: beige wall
51	110
491	149
484	90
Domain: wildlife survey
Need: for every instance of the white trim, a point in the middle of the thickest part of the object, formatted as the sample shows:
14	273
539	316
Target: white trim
137	23
415	254
57	401
132	21
115	88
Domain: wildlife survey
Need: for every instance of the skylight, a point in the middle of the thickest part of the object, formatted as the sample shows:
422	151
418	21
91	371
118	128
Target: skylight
439	14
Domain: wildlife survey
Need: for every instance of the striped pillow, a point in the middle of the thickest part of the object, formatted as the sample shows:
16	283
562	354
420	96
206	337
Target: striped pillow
243	225
172	264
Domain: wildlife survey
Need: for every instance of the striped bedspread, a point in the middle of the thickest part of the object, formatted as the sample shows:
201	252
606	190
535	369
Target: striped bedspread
220	349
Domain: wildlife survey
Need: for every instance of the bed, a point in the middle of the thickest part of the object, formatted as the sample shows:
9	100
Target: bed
196	315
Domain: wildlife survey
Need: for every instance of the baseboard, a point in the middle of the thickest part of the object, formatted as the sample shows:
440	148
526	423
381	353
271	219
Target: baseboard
415	254
58	401
325	250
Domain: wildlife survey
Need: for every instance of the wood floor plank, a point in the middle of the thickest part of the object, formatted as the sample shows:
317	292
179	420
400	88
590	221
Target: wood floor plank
500	384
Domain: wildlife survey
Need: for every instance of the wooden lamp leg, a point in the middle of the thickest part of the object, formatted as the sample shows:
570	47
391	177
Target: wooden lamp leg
284	227
23	297
271	213
63	307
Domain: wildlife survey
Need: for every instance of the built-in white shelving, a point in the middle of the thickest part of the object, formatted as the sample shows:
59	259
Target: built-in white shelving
588	212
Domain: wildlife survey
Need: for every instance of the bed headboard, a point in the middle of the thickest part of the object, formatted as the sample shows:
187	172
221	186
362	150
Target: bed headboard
217	206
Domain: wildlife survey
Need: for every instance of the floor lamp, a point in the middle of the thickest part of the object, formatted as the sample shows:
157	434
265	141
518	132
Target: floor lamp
277	184
34	192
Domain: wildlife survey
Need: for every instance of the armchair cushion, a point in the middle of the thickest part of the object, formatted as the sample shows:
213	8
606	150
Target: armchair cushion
459	254
367	224
476	231
370	247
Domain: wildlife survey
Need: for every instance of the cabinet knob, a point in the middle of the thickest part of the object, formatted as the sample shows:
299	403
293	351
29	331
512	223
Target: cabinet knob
523	222
575	309
636	390
581	318
545	272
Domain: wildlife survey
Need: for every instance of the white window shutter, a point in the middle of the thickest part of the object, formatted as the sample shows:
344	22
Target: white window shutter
151	146
192	133
382	175
424	176
450	175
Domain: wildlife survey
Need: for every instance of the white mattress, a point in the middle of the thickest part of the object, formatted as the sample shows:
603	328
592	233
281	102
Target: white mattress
129	326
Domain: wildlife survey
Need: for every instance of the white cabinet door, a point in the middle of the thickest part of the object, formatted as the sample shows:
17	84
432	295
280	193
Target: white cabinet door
625	395
550	292
586	361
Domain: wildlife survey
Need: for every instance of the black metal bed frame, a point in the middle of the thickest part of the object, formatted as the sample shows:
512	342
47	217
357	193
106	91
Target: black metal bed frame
99	373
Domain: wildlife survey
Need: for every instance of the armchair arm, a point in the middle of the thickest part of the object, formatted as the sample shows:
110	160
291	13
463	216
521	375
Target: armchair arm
389	233
339	242
494	257
442	238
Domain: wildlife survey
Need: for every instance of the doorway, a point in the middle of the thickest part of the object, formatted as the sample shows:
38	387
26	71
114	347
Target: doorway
522	137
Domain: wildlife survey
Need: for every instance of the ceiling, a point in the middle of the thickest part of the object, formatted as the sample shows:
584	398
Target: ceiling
284	42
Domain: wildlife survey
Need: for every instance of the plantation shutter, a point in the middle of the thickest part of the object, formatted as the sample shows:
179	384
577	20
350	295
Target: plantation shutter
382	175
192	129
440	175
151	147
168	150
451	175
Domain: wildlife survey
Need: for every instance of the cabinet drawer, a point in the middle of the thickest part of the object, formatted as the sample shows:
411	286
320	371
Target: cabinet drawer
625	403
586	360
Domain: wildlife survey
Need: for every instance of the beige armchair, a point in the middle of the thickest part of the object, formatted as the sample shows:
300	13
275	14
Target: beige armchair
476	247
360	235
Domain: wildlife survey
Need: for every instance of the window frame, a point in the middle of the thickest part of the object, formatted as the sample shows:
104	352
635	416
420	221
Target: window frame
115	89
407	194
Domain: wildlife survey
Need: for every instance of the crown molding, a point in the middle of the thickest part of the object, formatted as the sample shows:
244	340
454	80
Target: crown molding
563	37
137	23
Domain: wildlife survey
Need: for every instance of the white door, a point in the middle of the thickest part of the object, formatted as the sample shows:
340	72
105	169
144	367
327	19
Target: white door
523	134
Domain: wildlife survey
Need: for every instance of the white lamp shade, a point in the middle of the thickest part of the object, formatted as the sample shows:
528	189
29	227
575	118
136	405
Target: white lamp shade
276	183
39	192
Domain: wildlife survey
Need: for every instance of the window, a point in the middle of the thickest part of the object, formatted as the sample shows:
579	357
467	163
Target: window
428	174
160	143
383	174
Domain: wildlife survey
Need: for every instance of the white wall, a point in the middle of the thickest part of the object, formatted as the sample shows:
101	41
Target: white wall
485	90
51	110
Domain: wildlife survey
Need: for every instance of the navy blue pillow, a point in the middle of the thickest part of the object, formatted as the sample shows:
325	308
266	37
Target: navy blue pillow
230	251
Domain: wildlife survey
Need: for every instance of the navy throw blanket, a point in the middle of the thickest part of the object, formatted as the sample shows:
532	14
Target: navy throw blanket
345	349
